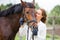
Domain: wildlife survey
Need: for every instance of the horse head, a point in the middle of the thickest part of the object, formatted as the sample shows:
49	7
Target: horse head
28	12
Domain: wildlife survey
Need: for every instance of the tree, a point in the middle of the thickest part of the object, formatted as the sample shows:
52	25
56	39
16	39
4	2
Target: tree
55	12
3	7
8	5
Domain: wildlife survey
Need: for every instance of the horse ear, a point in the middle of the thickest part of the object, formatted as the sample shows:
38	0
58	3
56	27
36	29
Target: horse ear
23	3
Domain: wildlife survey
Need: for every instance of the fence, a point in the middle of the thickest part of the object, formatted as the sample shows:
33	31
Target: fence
54	30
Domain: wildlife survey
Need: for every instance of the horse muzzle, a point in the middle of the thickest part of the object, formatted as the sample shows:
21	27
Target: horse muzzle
34	27
31	21
34	30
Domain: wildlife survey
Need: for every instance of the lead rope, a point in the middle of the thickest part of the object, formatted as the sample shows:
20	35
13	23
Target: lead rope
32	34
28	35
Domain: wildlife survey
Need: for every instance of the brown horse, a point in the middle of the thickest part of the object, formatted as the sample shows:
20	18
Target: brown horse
9	19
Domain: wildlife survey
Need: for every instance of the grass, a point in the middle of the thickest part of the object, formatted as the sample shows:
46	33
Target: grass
17	37
48	37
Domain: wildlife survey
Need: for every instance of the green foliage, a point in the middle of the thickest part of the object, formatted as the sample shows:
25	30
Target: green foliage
55	12
3	7
37	6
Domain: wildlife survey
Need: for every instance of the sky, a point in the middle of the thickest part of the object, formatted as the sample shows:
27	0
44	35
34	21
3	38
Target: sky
48	5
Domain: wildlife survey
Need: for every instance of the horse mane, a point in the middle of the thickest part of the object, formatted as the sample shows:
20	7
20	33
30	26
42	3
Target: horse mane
17	8
13	9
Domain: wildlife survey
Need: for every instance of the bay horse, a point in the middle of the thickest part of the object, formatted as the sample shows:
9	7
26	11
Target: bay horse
9	19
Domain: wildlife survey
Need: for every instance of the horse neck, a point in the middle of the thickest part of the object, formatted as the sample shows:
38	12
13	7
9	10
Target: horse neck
14	17
15	20
13	23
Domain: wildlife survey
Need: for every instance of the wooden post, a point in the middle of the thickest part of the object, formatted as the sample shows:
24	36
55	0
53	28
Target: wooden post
53	30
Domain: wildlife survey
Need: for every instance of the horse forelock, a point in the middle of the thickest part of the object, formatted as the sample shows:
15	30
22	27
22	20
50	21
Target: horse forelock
30	5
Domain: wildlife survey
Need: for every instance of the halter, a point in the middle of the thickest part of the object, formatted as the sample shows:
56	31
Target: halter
25	18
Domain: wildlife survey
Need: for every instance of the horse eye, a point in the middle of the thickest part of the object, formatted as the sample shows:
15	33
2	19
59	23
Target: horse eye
27	12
